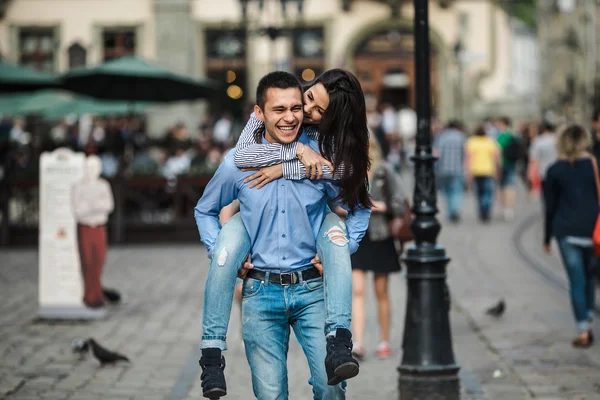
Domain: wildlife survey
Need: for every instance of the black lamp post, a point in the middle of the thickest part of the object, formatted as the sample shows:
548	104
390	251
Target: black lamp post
428	369
272	31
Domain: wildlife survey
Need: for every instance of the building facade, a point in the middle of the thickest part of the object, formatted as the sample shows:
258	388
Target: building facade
478	63
568	37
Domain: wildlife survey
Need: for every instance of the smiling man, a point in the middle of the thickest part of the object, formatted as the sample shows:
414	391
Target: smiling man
282	219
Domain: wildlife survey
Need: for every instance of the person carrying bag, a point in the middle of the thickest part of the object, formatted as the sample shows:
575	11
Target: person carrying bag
377	251
572	195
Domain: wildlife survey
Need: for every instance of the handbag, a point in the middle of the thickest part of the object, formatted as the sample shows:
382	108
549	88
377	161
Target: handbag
399	226
596	234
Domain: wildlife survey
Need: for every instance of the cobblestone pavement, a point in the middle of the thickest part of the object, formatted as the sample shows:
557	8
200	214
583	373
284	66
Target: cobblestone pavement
533	339
526	354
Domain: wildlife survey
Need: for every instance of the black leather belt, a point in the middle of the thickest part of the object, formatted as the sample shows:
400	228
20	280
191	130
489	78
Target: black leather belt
289	278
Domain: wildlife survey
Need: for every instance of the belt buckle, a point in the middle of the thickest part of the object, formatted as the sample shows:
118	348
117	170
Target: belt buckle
292	278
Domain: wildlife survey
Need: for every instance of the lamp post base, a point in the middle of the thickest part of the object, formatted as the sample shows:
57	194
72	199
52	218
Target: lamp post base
413	387
428	369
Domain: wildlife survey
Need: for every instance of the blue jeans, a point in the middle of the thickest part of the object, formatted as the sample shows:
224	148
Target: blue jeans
232	249
268	311
580	263
452	187
509	176
485	195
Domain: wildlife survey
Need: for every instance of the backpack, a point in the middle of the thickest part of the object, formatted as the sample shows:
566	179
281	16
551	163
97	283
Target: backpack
513	152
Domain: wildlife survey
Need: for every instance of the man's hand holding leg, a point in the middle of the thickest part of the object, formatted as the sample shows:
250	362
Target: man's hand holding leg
317	263
246	266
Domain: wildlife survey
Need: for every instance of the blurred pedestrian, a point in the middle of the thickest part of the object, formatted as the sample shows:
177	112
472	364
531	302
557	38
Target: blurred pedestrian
374	123
542	154
377	252
222	131
596	134
389	125
450	148
511	153
178	164
482	164
490	128
529	131
571	193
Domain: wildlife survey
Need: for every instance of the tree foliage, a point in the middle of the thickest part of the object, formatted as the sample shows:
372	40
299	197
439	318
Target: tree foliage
524	10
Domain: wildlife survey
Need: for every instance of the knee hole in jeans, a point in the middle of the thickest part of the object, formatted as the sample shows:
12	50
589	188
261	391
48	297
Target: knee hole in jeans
222	257
337	236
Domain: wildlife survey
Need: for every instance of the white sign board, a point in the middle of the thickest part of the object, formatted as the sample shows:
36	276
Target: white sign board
60	282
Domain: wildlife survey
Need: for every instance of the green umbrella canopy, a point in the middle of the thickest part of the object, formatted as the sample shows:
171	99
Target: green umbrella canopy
134	79
14	78
32	103
79	105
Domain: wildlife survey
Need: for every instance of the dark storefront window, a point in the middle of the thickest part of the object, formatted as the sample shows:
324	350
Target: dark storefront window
77	55
226	64
118	43
37	48
309	51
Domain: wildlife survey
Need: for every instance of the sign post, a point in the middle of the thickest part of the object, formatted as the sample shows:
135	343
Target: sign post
60	282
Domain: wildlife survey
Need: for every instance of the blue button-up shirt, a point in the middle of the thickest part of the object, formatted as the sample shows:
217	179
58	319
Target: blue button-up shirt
282	218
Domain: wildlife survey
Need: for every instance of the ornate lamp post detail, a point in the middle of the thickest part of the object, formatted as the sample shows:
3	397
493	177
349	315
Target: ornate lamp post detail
285	18
285	6
428	369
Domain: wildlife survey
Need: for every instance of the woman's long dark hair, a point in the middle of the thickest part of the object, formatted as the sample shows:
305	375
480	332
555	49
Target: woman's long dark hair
344	136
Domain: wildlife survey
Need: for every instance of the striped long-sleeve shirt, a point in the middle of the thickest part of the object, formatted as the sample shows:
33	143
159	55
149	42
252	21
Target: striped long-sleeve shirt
249	154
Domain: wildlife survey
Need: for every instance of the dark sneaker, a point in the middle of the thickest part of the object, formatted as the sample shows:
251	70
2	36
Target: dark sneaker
339	363
213	378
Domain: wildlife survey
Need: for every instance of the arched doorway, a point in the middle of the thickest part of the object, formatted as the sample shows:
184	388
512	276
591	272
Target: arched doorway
381	55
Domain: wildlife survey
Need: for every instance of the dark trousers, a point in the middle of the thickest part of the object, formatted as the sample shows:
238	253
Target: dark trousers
484	186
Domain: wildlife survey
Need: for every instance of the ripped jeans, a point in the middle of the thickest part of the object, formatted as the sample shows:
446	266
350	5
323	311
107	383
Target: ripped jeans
232	249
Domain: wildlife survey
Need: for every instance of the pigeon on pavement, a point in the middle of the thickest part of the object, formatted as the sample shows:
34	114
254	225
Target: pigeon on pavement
105	356
497	310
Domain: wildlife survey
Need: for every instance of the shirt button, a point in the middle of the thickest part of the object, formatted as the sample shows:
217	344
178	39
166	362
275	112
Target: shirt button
283	235
283	257
283	211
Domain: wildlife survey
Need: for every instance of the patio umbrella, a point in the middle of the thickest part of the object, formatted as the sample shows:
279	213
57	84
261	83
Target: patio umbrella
14	79
32	103
79	105
134	79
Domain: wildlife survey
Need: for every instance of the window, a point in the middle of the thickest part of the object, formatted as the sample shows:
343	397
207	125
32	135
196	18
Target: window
77	55
308	46
226	64
37	48
226	44
118	43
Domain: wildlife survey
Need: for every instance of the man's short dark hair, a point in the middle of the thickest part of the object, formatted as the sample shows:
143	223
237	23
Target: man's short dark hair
455	124
506	121
547	126
278	80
